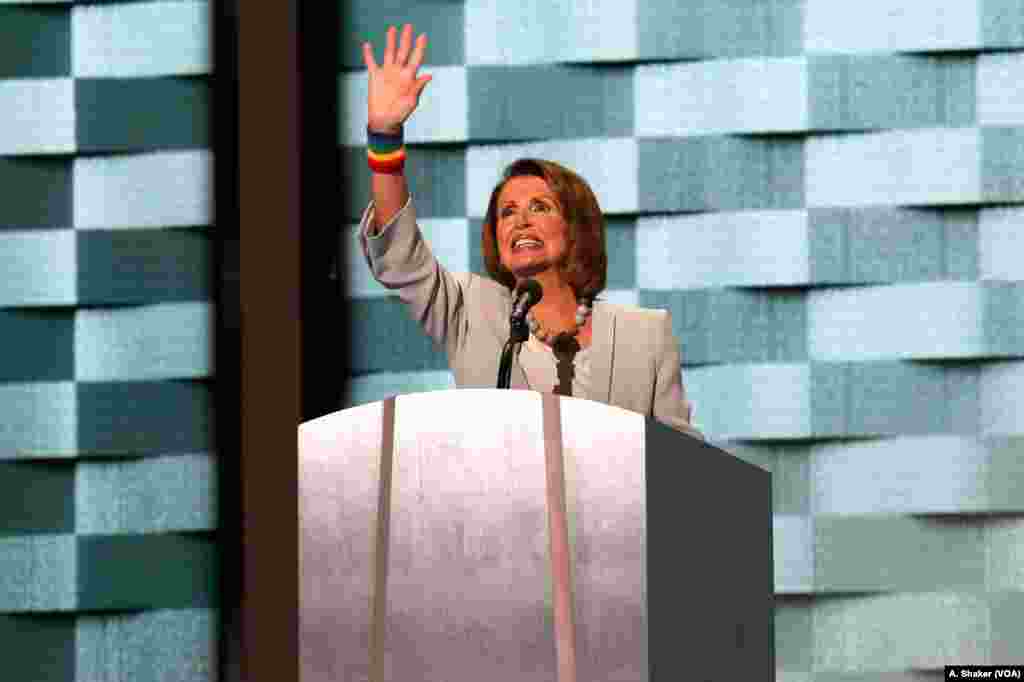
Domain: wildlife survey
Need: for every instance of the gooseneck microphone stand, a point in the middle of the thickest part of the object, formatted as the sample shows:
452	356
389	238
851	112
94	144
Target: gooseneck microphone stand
527	296
520	332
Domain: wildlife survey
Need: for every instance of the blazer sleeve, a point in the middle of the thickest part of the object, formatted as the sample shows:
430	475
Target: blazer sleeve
670	403
400	259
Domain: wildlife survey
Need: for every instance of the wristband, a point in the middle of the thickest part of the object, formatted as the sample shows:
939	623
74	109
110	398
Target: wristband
385	153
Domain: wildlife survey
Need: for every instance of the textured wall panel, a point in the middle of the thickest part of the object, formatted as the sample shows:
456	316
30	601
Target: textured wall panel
1003	324
1005	555
133	647
866	92
794	638
160	189
368	20
129	418
925	321
1003	157
793	553
864	244
117	572
48	54
443	115
999	243
38	192
144	266
721	174
1007	615
45	650
142	114
39	268
794	401
735	326
36	497
38	115
1002	411
790	467
38	344
901	631
879	553
620	244
370	388
1005	468
937	166
538	31
621	296
146	495
37	573
721	96
925	475
1002	23
509	103
752	401
1000	99
78	82
885	398
750	248
141	39
608	165
891	26
165	341
385	338
713	28
41	419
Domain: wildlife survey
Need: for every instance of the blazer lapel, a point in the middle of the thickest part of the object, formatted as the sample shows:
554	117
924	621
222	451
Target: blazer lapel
602	354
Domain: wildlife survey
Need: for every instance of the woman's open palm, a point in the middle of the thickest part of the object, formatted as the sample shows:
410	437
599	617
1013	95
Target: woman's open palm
394	88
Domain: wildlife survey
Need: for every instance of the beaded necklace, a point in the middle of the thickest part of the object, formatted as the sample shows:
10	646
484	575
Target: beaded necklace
545	335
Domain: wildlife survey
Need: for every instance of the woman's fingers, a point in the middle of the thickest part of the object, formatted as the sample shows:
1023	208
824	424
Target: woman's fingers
420	84
389	46
368	59
405	46
417	55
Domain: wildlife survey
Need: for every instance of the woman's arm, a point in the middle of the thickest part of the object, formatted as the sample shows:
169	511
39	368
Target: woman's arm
670	403
394	90
390	194
392	243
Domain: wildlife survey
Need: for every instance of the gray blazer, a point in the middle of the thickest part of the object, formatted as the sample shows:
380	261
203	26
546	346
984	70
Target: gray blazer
636	363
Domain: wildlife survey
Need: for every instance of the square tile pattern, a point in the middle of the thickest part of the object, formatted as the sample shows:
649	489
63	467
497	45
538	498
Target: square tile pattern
108	556
828	198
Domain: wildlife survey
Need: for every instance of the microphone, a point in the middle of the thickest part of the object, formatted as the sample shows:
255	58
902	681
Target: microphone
528	294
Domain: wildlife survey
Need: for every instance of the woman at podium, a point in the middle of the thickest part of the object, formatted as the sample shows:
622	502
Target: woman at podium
543	223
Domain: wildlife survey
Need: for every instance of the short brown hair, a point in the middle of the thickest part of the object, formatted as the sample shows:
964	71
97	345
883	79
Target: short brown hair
586	264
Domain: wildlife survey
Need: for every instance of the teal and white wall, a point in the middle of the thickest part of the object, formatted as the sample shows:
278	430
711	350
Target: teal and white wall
107	471
829	197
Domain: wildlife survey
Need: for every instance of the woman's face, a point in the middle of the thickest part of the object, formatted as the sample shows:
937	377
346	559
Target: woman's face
531	231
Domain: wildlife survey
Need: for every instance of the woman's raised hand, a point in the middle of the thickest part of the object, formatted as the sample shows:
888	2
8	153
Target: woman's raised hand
394	88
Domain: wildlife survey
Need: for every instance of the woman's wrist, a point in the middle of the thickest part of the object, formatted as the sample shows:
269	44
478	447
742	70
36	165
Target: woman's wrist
382	129
385	151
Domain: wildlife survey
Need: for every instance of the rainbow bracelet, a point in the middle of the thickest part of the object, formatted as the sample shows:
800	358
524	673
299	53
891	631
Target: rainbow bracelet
385	153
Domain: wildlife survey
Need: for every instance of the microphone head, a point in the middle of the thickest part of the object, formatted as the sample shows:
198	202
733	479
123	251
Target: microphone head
525	297
532	289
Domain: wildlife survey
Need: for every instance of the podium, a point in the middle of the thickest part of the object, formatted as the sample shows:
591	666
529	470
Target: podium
511	536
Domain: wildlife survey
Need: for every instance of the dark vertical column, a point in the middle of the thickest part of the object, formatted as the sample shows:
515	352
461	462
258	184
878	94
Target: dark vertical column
270	180
324	318
282	350
227	337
